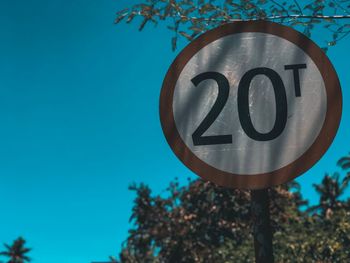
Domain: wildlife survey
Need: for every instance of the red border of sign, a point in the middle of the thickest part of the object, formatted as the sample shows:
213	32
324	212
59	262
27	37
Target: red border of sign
255	181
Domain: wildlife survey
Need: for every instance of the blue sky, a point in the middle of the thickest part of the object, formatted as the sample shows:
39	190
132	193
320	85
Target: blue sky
79	123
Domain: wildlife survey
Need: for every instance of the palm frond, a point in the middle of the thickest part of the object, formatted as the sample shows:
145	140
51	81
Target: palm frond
344	162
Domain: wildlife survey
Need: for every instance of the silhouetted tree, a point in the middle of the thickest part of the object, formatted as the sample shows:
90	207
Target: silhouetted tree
344	163
16	252
330	190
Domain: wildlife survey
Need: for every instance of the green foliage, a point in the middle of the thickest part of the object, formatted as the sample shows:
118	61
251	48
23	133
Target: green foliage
16	252
344	163
189	18
330	190
202	222
315	239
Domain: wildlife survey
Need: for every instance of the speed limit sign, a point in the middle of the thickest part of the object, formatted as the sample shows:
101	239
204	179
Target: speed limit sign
250	104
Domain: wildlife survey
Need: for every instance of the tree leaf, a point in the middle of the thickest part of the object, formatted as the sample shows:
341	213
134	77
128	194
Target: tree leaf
120	18
143	23
173	43
187	36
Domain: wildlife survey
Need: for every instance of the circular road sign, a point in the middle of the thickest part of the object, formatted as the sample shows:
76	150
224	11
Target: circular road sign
250	104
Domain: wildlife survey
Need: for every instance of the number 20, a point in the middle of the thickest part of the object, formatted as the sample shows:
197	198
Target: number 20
243	104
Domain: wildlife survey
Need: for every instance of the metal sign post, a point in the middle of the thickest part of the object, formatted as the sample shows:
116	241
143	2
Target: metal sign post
251	105
262	231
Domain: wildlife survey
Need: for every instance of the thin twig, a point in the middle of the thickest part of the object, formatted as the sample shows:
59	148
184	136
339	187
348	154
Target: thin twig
343	36
297	4
311	16
340	6
281	6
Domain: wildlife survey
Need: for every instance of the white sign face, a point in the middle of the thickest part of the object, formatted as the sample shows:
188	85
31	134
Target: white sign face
250	104
234	56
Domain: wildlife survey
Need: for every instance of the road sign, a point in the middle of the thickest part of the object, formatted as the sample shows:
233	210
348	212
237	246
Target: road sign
250	104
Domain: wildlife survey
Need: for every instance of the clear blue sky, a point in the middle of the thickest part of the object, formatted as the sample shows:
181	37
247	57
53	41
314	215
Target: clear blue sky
79	123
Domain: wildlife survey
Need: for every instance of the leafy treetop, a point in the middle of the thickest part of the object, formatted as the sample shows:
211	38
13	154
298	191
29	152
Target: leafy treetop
202	222
17	251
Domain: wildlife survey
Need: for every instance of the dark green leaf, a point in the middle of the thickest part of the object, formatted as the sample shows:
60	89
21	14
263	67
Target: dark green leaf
120	18
173	43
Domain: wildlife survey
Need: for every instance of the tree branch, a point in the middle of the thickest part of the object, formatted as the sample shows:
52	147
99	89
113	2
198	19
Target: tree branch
291	16
281	6
340	6
191	19
294	16
297	4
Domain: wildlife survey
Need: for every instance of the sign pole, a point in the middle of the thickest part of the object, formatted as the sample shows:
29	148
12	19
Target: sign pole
261	226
